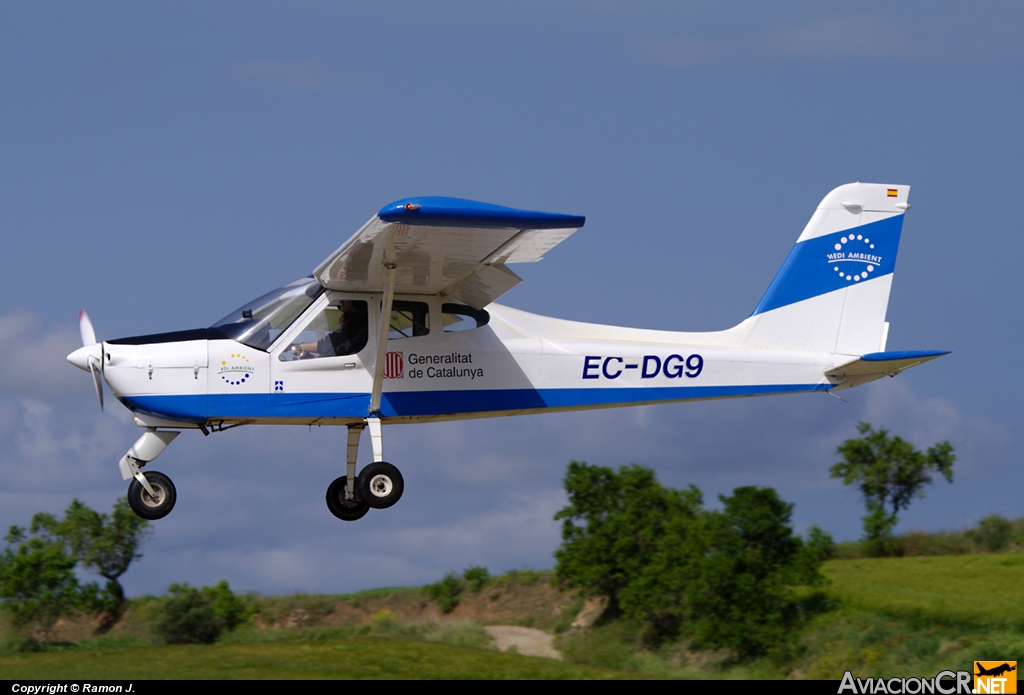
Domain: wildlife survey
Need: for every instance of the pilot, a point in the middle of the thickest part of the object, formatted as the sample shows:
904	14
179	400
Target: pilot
349	338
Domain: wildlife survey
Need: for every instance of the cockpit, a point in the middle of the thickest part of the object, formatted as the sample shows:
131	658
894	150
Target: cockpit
259	323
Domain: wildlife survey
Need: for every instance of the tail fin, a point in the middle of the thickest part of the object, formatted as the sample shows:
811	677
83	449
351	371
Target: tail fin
832	292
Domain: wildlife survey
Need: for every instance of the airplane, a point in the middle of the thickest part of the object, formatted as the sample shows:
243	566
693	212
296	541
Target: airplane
399	325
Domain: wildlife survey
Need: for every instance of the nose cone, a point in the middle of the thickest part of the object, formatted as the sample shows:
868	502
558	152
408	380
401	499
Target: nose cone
80	357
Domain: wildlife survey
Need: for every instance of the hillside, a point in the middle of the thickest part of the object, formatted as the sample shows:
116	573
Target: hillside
899	615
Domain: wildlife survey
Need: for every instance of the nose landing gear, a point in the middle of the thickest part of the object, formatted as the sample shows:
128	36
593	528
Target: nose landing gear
150	495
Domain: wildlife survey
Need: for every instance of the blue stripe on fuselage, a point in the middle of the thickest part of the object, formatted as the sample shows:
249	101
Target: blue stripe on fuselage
193	408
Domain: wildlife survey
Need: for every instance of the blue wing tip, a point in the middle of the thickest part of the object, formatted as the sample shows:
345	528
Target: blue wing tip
458	212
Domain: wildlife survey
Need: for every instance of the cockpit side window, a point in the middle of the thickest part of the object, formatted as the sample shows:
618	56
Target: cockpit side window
261	321
408	319
459	317
340	329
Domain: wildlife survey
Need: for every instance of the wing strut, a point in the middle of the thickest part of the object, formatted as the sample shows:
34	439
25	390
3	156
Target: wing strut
385	323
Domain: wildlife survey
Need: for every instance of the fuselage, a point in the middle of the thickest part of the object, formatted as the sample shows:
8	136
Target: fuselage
508	362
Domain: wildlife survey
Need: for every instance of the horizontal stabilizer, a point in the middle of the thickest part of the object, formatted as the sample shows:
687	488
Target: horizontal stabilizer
875	365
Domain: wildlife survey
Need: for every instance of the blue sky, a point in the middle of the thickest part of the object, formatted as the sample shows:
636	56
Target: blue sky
162	164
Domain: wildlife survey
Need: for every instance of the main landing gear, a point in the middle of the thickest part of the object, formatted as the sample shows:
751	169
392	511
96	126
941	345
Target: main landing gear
378	486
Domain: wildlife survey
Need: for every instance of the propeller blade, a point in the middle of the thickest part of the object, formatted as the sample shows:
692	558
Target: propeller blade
85	326
97	379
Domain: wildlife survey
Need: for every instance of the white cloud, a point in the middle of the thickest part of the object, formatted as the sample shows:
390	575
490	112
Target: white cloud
35	357
957	37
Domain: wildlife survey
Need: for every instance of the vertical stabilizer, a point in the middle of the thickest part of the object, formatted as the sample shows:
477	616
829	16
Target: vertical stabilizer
832	292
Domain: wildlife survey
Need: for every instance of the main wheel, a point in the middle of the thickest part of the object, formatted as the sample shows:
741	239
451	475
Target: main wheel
152	506
344	509
380	485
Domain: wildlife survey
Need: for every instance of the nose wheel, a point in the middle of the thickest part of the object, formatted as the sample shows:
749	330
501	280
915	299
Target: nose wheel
152	506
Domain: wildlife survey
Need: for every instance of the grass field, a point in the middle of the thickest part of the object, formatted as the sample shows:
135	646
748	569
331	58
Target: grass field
352	658
983	590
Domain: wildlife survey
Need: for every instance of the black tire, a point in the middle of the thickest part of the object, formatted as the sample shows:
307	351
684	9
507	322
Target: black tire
344	509
380	485
148	507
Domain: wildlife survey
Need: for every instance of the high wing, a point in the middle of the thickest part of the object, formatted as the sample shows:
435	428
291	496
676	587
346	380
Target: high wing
447	246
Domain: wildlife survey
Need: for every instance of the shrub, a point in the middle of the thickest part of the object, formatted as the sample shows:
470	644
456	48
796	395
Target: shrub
188	617
446	592
228	607
476	577
199	616
994	533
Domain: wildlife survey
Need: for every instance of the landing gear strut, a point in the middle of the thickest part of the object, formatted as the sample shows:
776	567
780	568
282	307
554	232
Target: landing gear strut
379	485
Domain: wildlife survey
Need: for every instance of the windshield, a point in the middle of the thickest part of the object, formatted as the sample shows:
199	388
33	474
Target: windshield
261	321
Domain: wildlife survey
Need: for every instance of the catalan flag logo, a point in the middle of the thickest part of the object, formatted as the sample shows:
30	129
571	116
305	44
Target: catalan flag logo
892	193
394	365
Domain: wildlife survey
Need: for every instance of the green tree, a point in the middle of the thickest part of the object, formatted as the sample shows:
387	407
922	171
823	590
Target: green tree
613	524
890	473
745	562
104	543
38	583
724	578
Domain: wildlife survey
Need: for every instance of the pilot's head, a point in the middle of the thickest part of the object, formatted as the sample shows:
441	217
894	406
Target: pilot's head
349	306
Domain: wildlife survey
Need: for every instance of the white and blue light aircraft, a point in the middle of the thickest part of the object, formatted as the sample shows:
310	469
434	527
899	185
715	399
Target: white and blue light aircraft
398	325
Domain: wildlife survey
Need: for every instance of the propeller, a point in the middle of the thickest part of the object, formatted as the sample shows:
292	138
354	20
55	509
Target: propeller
89	357
85	326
